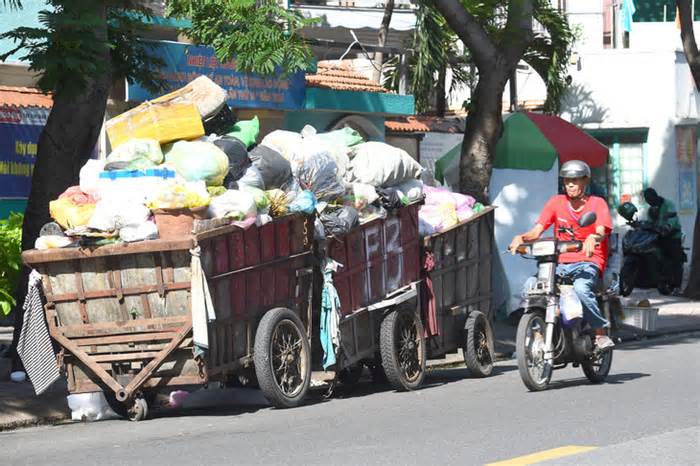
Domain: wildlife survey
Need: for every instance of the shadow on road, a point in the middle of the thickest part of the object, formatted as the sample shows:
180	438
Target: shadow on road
646	343
612	379
435	377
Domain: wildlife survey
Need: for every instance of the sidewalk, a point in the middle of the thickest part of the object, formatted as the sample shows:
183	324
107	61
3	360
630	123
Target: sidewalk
19	406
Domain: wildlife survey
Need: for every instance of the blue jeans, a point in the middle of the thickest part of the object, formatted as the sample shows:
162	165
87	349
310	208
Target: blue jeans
585	275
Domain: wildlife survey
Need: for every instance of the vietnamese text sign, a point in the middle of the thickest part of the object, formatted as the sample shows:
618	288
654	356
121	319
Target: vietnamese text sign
19	135
184	62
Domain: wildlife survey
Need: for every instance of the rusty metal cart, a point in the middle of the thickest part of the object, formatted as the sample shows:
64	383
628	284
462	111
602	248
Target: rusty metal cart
121	314
379	287
457	301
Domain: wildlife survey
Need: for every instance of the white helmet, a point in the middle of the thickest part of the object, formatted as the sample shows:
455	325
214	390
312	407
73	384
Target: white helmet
575	169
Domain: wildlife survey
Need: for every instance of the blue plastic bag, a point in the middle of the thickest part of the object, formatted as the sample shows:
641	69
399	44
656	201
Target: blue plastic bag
304	202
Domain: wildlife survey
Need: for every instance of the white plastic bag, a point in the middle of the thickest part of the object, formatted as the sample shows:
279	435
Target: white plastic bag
363	194
381	165
570	305
238	205
113	215
141	232
90	407
252	178
288	143
90	176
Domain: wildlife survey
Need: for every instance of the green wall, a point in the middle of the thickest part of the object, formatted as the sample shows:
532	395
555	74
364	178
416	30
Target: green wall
11	205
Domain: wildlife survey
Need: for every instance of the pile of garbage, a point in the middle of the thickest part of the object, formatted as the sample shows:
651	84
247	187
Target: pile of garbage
183	158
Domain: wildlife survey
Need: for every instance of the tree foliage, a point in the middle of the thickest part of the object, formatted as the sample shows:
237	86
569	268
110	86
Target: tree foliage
261	35
436	46
68	49
10	260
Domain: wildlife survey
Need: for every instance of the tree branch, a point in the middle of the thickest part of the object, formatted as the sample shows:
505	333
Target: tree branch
518	30
468	29
690	47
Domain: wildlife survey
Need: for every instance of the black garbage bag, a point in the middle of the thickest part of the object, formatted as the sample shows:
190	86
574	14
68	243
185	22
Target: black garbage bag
274	169
389	198
237	154
221	123
340	222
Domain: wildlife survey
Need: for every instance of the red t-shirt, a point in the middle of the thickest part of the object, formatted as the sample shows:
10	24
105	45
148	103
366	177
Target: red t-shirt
559	212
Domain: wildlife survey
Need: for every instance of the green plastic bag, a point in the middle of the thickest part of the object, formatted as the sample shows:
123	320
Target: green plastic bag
246	131
198	160
341	137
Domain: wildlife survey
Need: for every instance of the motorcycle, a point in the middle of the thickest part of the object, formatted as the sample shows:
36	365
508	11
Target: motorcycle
642	265
547	339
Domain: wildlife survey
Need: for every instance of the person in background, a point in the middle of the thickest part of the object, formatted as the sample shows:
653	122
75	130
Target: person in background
662	213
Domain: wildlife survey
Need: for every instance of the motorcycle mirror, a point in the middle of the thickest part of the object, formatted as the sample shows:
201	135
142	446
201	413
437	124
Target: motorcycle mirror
587	219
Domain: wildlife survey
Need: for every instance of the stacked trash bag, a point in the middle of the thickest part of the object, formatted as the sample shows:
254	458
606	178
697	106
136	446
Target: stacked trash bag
183	158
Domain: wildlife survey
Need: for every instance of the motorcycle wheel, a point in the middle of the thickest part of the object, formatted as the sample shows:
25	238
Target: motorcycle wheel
530	345
597	369
628	276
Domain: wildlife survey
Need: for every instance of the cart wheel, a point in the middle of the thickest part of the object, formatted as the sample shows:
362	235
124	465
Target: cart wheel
282	358
351	374
478	345
402	347
139	410
118	407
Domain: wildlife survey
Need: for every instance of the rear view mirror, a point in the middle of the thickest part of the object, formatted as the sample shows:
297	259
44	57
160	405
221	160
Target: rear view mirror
587	219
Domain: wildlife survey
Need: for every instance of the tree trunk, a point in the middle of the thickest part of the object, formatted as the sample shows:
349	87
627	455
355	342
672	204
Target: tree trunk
690	47
483	130
378	57
65	144
441	93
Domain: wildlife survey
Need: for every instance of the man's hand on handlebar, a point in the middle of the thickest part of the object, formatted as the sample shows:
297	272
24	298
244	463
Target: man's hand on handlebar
590	244
517	241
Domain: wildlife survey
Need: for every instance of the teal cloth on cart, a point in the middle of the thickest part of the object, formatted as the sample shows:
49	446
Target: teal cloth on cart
330	311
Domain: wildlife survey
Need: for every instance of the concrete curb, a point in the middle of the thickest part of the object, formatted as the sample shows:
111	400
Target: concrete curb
34	422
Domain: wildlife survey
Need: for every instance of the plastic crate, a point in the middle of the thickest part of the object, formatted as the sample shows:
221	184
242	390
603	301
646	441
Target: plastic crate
643	318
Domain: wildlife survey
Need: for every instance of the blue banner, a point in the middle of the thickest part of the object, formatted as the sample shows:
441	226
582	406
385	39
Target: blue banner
184	62
19	136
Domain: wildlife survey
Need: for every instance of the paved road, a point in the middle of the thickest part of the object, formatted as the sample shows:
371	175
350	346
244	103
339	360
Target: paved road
648	413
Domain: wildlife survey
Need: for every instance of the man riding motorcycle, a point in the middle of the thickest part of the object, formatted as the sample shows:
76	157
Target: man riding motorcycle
662	213
584	267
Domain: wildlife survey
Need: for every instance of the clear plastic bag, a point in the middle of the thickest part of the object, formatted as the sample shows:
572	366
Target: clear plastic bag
319	174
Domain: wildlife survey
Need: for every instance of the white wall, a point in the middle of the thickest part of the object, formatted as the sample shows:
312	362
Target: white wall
638	88
587	15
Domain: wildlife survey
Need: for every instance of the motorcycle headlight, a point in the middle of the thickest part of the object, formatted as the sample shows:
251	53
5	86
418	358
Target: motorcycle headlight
544	248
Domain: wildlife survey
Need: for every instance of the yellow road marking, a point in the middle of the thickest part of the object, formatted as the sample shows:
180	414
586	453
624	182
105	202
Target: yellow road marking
546	455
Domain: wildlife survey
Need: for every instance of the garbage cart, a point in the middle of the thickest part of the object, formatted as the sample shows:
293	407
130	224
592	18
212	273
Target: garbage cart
457	311
123	314
378	286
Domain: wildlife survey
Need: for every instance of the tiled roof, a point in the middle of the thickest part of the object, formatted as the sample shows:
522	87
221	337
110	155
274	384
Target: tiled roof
340	77
24	97
409	125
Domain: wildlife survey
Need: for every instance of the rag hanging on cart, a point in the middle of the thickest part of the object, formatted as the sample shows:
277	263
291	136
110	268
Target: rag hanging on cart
330	314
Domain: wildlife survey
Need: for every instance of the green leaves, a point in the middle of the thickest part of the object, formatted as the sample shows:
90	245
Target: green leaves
10	259
79	41
261	36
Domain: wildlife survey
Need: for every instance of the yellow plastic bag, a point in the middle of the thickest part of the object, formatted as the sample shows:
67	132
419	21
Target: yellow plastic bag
70	215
